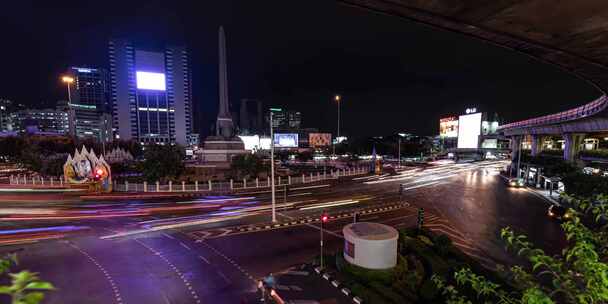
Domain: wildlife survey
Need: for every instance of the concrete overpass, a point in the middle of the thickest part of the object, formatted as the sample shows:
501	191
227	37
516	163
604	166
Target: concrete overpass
571	35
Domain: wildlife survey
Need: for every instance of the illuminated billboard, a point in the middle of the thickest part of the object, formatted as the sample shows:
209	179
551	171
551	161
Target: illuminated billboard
150	81
469	129
319	139
251	142
286	140
448	127
265	143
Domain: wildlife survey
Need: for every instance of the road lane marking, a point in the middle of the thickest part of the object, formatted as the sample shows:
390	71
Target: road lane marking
203	258
108	277
186	282
310	187
184	245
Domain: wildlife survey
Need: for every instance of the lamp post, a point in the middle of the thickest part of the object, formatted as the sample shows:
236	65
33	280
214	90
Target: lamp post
68	80
337	99
272	188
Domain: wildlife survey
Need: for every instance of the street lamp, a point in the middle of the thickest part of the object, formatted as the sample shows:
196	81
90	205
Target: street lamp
337	99
272	188
68	80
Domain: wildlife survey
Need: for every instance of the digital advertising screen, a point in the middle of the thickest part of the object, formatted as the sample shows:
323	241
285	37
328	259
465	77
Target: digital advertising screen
469	129
286	140
448	127
150	81
319	139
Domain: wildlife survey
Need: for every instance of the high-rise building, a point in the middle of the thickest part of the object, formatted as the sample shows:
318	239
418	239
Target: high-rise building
151	93
46	121
88	102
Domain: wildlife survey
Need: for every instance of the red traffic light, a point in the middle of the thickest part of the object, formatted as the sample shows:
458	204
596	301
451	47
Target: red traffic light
324	218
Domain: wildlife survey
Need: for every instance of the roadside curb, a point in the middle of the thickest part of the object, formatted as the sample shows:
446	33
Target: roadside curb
337	285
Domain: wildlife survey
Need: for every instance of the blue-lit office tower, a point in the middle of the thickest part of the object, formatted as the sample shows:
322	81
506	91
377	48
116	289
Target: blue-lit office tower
151	93
89	106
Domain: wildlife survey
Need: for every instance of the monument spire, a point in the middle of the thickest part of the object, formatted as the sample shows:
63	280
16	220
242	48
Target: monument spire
224	124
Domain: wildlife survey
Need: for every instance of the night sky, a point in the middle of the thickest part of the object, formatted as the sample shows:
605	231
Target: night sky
394	75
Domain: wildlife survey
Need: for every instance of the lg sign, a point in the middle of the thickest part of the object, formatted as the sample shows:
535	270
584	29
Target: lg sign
471	110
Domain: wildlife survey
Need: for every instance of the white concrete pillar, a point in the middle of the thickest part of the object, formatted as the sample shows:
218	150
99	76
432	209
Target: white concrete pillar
257	182
42	180
145	186
183	186
268	182
311	177
231	184
61	182
157	186
210	186
170	186
51	181
126	186
195	185
279	180
303	178
244	183
289	179
318	175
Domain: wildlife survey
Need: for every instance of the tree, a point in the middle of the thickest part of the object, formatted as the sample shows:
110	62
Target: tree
247	165
25	286
162	162
578	275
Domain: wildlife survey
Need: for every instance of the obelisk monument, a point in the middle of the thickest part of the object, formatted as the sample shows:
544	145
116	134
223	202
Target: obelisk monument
225	144
224	126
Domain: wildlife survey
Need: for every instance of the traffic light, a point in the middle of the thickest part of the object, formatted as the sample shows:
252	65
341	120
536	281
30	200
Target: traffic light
420	217
324	217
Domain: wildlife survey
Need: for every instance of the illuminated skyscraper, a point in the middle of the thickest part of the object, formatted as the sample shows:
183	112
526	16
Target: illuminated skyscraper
89	102
151	93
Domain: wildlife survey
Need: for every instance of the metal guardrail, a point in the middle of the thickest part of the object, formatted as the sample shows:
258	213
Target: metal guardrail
583	111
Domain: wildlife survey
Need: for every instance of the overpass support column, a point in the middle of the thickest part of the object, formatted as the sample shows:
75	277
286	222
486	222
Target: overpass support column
537	144
572	145
515	146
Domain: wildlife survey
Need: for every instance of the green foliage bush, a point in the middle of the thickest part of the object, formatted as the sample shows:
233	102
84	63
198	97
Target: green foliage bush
428	291
367	294
436	263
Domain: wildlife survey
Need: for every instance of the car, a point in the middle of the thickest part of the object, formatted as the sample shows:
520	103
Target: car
516	182
559	213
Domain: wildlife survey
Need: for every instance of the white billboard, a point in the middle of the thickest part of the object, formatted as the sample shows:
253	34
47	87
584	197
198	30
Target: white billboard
286	140
265	143
251	142
469	129
150	81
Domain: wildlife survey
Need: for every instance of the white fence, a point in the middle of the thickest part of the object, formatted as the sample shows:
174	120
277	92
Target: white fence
23	179
182	186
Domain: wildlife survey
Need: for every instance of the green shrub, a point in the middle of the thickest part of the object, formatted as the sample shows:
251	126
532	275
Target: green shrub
442	244
387	293
425	240
367	295
435	262
366	276
429	290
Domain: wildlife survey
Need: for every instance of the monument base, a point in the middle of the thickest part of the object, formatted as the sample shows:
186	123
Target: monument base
218	149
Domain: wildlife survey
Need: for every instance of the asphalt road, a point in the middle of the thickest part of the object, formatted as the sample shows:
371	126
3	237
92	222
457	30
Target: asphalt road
188	252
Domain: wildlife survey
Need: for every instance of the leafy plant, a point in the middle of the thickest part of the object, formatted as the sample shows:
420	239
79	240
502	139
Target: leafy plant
25	286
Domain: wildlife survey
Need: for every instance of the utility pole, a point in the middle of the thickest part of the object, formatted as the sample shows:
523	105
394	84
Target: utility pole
324	219
272	188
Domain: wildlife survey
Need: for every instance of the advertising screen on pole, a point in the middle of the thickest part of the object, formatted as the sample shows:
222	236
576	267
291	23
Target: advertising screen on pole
319	139
448	127
286	140
469	129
